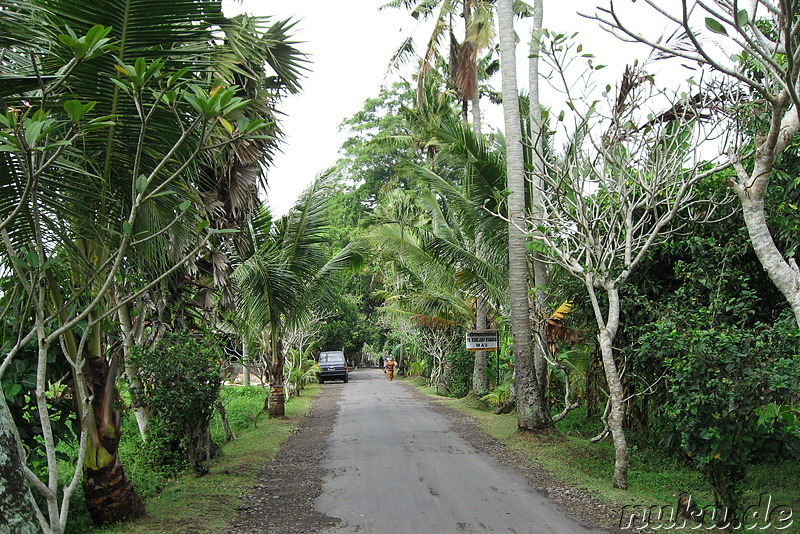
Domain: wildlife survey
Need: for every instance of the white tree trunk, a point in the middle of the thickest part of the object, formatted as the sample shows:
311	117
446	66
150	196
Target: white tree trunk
140	411
540	272
531	414
245	362
616	416
783	273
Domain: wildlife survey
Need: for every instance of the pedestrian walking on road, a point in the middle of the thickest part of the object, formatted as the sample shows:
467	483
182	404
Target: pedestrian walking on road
390	368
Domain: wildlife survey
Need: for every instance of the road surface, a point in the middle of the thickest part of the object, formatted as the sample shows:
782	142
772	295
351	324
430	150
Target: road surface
394	466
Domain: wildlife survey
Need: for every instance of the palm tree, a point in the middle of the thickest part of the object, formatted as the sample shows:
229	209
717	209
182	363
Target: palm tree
532	414
474	240
462	57
537	154
230	180
409	234
286	275
465	70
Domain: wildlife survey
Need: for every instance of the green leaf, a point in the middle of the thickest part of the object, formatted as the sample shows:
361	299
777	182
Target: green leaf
742	18
127	228
177	76
141	184
19	263
715	26
32	259
226	124
32	132
183	206
12	389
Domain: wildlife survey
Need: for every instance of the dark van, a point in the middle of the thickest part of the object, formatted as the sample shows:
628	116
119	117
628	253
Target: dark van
332	365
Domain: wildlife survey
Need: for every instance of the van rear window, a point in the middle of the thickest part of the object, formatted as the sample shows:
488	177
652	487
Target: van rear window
329	357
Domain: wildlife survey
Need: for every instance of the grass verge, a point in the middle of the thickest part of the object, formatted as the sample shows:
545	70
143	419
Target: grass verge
207	504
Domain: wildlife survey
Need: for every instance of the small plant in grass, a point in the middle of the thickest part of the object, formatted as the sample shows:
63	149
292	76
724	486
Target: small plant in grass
499	395
299	372
244	408
416	368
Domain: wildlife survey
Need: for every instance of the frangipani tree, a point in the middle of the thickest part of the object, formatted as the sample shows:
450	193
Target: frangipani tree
760	46
610	197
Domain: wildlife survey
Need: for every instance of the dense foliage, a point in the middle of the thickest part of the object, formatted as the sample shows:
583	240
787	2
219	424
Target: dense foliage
721	380
182	379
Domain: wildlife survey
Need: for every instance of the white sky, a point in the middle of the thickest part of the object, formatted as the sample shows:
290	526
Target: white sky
349	44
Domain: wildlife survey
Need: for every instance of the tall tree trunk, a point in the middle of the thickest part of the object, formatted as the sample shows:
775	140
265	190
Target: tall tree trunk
540	272
17	511
480	381
531	414
245	362
616	417
109	495
783	273
752	190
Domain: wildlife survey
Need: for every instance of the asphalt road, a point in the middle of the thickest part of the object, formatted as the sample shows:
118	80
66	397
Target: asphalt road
394	466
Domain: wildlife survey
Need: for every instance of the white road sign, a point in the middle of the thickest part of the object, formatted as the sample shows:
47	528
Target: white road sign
482	340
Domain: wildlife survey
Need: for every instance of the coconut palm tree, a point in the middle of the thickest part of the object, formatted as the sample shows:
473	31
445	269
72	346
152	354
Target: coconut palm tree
475	239
530	415
286	275
462	57
423	299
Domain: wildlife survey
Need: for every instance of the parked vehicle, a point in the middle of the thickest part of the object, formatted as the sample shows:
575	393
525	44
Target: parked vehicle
332	365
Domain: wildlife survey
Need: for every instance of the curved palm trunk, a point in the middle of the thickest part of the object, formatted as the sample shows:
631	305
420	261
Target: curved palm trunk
109	495
531	412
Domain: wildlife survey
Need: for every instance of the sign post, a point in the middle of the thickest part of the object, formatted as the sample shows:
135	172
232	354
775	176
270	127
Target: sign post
481	340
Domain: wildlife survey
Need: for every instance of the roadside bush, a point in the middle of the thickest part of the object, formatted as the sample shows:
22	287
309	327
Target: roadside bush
721	382
182	379
459	373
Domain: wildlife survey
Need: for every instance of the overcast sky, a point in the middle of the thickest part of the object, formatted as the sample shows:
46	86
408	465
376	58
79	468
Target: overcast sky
349	44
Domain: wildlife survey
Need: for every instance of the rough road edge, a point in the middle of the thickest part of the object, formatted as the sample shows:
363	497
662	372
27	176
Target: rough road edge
282	500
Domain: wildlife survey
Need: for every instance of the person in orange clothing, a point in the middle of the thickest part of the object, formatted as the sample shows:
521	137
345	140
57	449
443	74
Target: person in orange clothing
390	365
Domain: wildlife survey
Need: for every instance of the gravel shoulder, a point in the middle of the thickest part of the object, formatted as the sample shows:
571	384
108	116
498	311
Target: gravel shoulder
283	499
